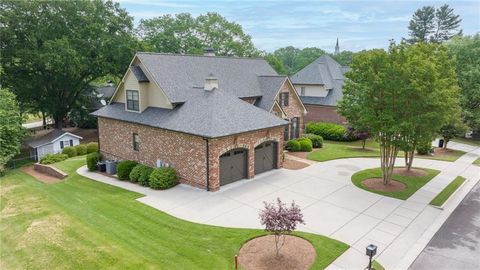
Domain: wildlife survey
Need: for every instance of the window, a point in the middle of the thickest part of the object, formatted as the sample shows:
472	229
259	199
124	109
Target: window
286	132
132	100
284	99
302	91
136	142
66	143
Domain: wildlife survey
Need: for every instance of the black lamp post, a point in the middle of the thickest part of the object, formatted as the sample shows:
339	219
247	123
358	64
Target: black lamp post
371	251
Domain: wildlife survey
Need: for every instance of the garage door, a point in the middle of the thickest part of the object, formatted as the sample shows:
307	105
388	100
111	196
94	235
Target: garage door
265	157
233	166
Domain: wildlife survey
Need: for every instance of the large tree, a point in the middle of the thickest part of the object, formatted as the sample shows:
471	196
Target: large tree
11	130
466	52
183	33
294	59
434	25
401	95
52	50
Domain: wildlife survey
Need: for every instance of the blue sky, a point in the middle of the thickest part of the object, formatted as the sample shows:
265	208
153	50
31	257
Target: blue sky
273	24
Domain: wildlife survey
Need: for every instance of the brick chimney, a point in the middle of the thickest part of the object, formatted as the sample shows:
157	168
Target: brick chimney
211	82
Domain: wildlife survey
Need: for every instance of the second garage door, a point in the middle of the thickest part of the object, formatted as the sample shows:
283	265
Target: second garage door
233	166
265	157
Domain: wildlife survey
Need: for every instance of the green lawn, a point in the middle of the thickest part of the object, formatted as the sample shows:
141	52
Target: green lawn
377	266
443	196
412	183
83	224
477	162
470	141
336	150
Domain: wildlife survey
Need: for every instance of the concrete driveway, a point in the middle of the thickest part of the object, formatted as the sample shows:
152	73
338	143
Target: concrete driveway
331	204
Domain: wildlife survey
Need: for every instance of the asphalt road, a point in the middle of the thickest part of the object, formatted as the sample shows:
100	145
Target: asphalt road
457	244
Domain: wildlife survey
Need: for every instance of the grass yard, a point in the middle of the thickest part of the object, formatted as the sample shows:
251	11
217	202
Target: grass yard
470	141
443	196
412	183
83	224
477	162
336	150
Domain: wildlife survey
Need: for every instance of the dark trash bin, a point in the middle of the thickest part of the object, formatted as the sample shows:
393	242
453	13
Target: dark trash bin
102	166
441	142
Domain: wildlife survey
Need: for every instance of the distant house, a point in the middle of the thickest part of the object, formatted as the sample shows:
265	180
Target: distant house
52	143
320	87
214	119
102	95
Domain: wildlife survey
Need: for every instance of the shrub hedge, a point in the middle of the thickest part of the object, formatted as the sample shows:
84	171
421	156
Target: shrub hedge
424	148
137	172
92	160
70	151
53	158
163	178
124	168
92	147
317	140
328	131
293	146
81	149
144	176
305	144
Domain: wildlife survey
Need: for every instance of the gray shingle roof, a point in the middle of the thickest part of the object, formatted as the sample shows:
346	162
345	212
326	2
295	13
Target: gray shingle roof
139	74
324	71
270	86
106	91
208	114
48	138
177	74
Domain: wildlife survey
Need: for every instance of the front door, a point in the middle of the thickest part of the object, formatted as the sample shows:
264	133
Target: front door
294	130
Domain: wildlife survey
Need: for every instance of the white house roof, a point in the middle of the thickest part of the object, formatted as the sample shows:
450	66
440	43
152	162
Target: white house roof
50	137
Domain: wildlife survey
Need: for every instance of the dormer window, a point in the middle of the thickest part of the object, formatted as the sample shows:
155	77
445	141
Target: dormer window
284	99
132	100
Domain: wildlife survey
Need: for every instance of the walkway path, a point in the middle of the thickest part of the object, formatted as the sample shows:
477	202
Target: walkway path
331	204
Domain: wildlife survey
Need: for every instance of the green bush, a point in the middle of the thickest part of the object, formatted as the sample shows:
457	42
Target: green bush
124	168
163	178
293	146
424	148
317	140
138	171
92	147
328	131
144	176
53	158
69	151
81	149
92	160
305	144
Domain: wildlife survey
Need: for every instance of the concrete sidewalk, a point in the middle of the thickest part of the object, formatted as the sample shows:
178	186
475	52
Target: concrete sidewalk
331	204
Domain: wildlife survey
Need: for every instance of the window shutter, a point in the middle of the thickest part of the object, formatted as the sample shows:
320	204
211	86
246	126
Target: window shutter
71	142
61	144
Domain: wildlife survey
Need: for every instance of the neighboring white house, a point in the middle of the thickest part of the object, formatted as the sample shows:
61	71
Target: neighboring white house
52	143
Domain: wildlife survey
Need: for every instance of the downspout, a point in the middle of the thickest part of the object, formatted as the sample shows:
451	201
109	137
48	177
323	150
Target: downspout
207	155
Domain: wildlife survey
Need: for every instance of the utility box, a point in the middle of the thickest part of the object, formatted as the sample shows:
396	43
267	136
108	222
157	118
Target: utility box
101	166
111	167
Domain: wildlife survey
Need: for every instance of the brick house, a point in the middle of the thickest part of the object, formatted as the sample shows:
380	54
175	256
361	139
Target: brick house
214	119
320	87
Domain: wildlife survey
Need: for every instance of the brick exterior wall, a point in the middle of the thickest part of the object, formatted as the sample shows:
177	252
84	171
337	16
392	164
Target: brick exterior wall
186	153
318	113
294	108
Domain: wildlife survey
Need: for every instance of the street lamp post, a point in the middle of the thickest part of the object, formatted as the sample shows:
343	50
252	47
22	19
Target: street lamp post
371	251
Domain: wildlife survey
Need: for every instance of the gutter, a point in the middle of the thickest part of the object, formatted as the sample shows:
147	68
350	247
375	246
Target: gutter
207	155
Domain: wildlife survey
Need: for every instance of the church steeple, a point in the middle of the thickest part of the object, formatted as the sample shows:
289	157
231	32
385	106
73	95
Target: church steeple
337	48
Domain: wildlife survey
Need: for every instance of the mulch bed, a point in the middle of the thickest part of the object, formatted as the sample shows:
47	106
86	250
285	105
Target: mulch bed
377	184
299	154
291	164
259	254
42	177
412	172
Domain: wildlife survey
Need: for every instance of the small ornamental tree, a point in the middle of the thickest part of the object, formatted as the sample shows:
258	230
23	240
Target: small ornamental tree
280	220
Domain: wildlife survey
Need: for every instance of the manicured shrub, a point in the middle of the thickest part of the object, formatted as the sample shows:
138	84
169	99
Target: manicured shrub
293	146
53	158
163	178
124	168
424	148
144	176
317	140
137	172
69	151
92	147
328	131
92	160
305	145
81	149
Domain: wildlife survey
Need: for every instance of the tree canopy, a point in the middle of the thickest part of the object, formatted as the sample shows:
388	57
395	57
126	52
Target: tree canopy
434	25
52	50
183	33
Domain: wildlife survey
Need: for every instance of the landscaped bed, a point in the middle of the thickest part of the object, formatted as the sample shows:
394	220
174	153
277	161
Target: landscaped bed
443	196
83	224
405	186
